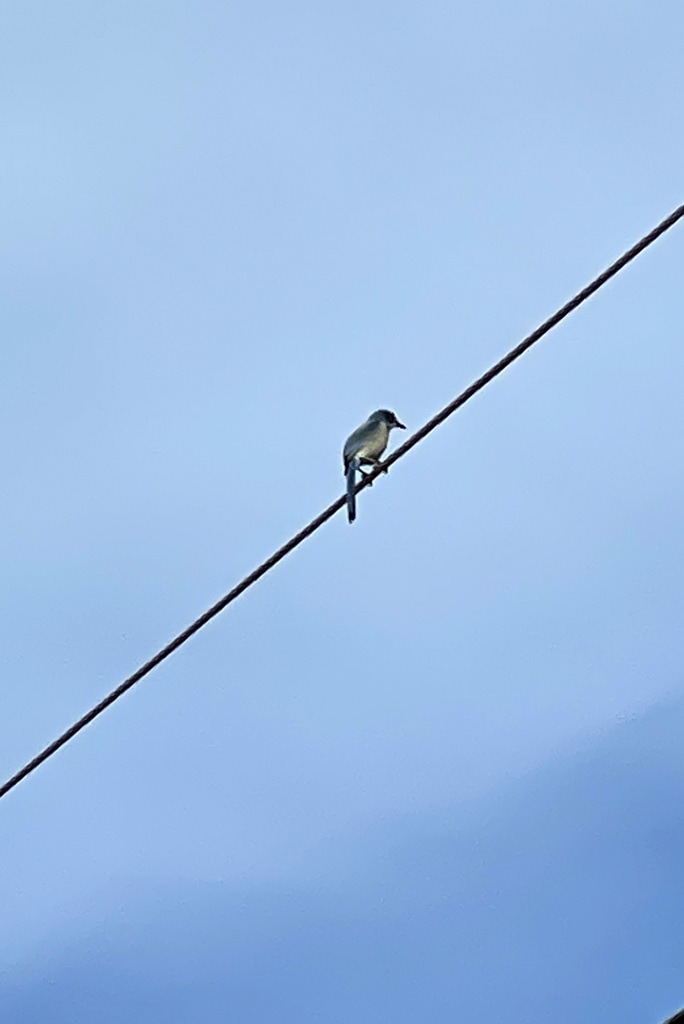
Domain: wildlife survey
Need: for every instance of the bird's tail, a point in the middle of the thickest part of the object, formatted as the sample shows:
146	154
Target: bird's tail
351	489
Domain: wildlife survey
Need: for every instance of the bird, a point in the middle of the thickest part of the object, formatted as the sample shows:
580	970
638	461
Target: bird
364	447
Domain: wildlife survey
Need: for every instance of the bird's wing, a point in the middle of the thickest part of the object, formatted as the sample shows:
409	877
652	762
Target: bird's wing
354	442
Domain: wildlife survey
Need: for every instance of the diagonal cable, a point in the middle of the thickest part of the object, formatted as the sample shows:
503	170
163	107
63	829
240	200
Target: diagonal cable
330	511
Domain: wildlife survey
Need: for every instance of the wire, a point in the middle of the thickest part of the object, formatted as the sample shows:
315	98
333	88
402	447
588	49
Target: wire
330	511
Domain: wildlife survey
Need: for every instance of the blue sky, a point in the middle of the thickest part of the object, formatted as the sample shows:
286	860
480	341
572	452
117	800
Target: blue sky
440	909
229	233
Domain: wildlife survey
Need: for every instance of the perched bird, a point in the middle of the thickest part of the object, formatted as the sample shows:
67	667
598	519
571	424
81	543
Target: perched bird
364	448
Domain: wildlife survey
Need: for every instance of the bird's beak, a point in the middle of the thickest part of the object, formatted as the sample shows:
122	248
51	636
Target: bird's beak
398	424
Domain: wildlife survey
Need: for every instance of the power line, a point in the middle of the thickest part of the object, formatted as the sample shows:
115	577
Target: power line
330	511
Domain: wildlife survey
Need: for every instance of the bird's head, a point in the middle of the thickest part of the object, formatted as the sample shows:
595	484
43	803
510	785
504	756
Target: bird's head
388	417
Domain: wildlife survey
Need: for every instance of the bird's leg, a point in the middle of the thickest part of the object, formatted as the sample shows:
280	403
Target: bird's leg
375	463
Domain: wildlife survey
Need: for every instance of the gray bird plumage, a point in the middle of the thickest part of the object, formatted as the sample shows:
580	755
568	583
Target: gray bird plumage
364	448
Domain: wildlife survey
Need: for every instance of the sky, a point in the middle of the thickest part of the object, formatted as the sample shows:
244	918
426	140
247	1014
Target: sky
431	764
